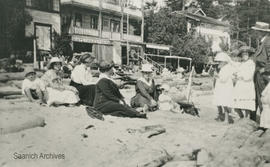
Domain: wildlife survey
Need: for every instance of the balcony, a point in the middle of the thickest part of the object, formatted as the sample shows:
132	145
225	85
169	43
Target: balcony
84	31
116	36
111	7
133	38
133	12
82	3
106	34
105	6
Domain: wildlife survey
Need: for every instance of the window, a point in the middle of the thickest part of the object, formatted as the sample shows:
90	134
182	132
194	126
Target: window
28	2
56	5
106	24
115	26
94	22
86	21
78	20
46	5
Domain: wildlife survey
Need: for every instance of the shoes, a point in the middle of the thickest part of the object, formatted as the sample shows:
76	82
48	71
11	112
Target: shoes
93	113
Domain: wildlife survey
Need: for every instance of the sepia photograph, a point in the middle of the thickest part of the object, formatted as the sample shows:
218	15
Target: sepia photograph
134	83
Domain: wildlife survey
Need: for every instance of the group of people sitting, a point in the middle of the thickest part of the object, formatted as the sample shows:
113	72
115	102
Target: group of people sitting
102	93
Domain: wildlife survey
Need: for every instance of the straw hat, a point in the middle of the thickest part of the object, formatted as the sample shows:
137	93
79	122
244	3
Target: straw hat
30	71
53	60
146	68
222	57
245	49
261	26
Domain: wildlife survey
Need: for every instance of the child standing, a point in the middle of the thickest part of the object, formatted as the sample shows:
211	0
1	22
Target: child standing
223	98
244	90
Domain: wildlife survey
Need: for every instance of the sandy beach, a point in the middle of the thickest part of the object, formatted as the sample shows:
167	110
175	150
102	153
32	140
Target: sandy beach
82	141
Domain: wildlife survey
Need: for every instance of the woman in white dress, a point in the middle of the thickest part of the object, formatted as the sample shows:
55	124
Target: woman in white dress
57	93
223	97
244	90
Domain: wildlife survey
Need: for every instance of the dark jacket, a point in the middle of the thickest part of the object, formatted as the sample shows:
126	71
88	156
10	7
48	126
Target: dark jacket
106	90
262	59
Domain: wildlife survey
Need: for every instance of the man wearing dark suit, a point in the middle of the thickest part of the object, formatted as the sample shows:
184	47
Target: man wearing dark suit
262	60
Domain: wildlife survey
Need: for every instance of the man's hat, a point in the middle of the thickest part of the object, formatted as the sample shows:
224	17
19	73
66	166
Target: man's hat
261	26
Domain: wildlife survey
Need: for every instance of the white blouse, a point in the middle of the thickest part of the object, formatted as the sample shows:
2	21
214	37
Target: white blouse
82	75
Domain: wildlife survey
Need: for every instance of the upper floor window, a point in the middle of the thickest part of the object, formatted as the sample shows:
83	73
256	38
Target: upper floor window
115	26
94	22
56	5
105	24
46	5
78	19
28	2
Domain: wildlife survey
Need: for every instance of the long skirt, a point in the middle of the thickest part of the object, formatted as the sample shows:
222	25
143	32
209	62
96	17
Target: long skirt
86	93
117	109
61	97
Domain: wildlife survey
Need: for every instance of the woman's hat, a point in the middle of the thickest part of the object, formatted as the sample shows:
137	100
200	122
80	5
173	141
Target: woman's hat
147	68
261	26
247	49
86	56
104	65
223	57
53	60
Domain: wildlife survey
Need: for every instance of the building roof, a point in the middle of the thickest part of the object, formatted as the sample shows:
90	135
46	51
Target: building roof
158	46
203	19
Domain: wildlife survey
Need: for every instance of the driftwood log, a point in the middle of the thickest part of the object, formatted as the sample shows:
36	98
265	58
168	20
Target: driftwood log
9	93
16	122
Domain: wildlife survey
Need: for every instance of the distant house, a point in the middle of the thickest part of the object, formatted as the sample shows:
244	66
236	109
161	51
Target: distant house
210	28
46	21
108	29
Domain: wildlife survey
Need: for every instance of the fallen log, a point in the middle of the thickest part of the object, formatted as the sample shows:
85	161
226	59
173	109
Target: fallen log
9	93
16	122
9	97
160	161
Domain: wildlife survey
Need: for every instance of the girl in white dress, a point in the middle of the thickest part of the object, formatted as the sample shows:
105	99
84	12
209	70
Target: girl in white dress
244	90
223	97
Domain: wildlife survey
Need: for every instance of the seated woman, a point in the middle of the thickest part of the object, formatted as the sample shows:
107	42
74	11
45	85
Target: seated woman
108	96
56	91
82	80
145	91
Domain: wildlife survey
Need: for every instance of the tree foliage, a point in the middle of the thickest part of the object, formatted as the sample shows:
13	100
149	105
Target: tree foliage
13	18
163	27
62	45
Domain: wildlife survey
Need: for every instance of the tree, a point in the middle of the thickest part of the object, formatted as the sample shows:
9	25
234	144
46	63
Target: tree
13	18
175	5
62	45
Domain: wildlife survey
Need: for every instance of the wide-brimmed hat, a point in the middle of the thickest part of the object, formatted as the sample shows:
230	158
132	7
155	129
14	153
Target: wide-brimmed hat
261	26
86	56
245	49
53	60
30	71
147	68
222	57
105	65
